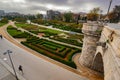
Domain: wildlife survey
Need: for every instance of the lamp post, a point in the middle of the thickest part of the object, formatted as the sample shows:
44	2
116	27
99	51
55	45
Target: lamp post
109	7
100	14
8	52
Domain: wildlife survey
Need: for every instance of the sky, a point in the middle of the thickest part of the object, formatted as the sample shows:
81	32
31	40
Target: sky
41	6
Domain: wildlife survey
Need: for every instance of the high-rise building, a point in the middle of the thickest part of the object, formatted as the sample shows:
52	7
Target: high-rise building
53	15
2	13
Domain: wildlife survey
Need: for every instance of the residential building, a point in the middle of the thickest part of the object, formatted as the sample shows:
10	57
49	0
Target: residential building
2	13
53	15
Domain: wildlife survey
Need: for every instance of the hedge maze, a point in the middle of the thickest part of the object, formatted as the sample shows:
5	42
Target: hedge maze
50	49
53	50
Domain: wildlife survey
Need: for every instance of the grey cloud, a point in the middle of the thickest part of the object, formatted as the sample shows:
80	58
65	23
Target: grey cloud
37	8
55	2
30	6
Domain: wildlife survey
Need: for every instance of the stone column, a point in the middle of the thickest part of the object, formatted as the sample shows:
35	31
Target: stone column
92	32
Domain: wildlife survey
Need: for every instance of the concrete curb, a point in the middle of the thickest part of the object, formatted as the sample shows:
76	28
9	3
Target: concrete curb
11	70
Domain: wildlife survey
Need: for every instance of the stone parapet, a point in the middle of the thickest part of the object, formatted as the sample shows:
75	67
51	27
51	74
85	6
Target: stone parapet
92	32
92	28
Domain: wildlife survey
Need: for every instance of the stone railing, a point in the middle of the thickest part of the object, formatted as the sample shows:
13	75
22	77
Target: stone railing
92	28
113	37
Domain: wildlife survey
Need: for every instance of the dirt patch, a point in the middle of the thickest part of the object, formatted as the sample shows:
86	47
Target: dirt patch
20	39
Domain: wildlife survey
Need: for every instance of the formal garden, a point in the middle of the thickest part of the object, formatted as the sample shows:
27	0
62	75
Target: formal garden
73	39
50	49
60	25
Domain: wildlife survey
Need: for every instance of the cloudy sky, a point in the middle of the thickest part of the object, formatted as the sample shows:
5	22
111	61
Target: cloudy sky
41	6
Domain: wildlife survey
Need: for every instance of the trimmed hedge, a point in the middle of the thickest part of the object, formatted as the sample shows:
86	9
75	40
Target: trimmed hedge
49	50
69	63
49	46
69	41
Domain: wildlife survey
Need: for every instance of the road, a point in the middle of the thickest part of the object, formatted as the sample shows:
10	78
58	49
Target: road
35	68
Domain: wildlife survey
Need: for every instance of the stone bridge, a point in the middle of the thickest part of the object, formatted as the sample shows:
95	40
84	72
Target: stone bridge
101	49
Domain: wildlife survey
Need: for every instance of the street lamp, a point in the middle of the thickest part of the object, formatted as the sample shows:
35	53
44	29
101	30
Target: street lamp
100	14
8	52
109	7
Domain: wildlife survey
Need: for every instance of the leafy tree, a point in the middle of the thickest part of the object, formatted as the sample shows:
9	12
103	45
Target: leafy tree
39	21
20	19
114	15
68	17
31	17
4	20
93	14
40	16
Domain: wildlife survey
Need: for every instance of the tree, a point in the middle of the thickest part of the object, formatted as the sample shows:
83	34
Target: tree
20	19
68	16
4	20
93	14
40	16
114	15
31	17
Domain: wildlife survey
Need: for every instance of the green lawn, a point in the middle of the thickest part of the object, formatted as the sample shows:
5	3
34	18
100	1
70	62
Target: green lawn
1	24
22	25
16	33
72	38
36	28
27	26
50	31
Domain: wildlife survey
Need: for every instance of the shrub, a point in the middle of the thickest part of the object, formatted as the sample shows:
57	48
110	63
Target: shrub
72	64
50	46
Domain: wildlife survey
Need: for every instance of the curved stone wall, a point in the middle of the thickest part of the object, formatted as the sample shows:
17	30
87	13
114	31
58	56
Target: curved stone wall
92	32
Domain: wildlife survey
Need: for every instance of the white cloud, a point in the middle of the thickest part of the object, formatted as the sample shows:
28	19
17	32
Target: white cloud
35	6
54	7
19	1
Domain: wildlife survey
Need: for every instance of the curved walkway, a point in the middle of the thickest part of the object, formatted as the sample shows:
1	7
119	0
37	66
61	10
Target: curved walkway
83	73
92	75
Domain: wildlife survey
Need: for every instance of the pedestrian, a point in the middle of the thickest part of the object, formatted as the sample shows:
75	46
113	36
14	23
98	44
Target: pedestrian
20	69
1	36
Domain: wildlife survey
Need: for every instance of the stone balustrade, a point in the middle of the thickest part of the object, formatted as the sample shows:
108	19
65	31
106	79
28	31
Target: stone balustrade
92	29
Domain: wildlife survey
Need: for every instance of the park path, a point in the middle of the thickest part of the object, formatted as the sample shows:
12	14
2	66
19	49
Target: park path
86	71
81	72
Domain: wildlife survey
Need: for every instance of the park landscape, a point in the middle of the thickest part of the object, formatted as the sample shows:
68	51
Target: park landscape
43	45
60	42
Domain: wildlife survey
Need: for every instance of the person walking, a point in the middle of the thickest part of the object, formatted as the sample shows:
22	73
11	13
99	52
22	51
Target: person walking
1	36
20	69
